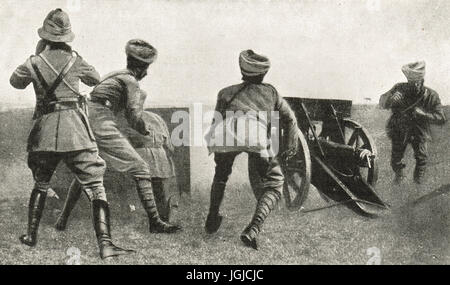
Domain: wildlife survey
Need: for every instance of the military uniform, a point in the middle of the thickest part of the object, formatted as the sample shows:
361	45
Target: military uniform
114	147
60	129
406	127
119	92
251	95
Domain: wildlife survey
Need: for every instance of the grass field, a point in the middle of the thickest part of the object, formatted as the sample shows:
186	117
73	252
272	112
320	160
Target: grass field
416	230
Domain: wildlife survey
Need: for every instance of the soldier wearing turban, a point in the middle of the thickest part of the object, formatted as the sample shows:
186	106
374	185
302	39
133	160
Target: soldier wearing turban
250	95
414	107
119	92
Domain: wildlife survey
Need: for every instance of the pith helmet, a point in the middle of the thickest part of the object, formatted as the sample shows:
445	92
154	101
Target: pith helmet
57	27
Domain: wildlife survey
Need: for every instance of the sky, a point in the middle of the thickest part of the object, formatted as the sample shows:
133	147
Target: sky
318	49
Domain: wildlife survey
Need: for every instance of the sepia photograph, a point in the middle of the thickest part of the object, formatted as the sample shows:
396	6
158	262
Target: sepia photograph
238	133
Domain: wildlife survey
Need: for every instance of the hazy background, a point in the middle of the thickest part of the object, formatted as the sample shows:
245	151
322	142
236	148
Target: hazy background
328	49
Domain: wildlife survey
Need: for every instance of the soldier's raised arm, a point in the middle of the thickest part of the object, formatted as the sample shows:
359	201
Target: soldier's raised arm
390	99
88	75
21	77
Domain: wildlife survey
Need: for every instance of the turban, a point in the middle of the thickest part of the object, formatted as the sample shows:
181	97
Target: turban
141	50
414	71
253	64
57	27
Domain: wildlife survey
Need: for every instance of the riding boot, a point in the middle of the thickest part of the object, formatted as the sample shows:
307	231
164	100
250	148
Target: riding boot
73	196
161	201
214	220
101	219
265	205
156	225
35	209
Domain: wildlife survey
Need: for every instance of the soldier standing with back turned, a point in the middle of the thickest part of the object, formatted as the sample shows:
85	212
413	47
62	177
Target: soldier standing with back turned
252	95
414	107
60	129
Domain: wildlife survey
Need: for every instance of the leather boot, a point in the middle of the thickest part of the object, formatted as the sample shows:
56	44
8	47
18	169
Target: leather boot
101	220
73	196
265	205
156	225
214	220
35	209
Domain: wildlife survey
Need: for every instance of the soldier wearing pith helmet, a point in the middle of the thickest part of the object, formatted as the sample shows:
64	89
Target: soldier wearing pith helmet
61	131
414	107
119	92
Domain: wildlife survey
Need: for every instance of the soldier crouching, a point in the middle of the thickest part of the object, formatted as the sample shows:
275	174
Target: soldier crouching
251	95
119	92
60	129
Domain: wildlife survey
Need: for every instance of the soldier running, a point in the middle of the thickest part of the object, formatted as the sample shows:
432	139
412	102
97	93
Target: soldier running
414	107
60	129
119	92
251	95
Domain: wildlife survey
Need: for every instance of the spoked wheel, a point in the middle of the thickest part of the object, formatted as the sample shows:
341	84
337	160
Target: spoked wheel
297	175
357	136
364	174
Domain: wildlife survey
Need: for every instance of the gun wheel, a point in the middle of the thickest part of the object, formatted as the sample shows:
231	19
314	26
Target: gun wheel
297	175
357	136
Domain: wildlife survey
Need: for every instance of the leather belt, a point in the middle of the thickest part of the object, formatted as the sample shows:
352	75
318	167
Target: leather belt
63	104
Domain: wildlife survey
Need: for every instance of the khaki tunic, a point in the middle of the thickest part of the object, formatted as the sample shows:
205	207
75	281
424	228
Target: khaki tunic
122	90
248	98
253	97
65	130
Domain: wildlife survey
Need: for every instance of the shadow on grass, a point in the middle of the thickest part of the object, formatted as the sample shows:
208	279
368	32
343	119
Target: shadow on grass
425	221
443	190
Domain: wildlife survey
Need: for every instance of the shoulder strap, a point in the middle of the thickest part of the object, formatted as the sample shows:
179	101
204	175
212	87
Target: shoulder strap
415	103
39	74
62	74
50	90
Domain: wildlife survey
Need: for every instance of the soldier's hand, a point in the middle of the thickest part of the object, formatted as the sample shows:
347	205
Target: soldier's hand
396	99
364	156
363	153
419	112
